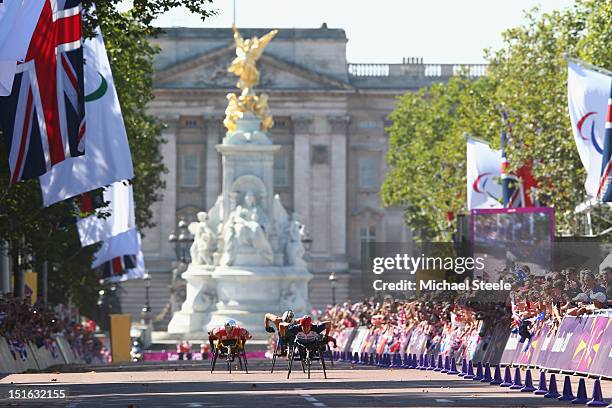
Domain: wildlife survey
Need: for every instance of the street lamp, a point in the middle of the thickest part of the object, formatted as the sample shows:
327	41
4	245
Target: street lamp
181	241
332	282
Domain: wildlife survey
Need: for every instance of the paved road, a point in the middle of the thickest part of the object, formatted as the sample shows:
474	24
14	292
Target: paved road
192	385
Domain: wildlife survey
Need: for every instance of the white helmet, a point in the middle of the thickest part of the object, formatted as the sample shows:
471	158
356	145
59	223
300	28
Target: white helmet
230	325
288	316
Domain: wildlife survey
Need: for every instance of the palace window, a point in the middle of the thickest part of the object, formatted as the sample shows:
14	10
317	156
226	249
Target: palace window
281	171
190	170
368	172
368	124
367	234
191	123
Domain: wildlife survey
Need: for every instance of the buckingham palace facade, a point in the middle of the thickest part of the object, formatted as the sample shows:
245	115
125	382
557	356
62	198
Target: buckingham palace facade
330	118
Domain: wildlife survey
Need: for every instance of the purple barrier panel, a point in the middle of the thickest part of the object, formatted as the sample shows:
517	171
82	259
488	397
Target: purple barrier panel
593	351
511	349
528	349
570	332
545	344
495	347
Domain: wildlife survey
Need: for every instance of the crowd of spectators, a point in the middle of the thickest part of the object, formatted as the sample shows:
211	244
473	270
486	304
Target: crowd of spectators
40	326
459	318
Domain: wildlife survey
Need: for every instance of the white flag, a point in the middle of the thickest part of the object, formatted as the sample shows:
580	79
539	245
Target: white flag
126	243
483	176
120	200
587	95
108	158
18	19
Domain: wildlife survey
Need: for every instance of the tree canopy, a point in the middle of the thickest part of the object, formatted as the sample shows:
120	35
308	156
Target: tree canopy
527	77
35	233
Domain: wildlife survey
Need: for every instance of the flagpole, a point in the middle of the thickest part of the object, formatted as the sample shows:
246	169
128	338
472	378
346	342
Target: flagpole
234	23
587	65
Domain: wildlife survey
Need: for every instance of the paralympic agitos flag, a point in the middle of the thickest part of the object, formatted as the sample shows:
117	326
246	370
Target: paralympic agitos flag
588	100
483	173
43	119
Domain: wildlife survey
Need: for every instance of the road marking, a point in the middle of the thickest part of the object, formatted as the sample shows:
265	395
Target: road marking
194	405
443	400
315	402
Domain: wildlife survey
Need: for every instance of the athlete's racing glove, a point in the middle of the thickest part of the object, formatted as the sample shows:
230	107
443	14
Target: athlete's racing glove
270	329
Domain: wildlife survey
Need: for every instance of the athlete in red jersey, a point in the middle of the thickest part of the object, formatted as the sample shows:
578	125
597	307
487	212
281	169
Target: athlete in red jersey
229	331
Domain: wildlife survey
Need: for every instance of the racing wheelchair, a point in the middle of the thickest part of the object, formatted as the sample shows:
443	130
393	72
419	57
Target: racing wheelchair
281	349
230	350
309	347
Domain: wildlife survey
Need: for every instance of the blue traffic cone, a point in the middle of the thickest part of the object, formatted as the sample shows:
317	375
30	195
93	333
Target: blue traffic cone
440	367
497	380
453	367
414	361
567	395
487	374
463	368
581	395
517	383
542	388
528	383
597	400
552	388
418	367
479	375
507	378
446	365
470	371
425	365
432	363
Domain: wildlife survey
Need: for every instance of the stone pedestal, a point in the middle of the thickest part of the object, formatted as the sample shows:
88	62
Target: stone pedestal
245	294
195	311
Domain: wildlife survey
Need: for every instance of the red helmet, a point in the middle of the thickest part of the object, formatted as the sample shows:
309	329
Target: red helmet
306	322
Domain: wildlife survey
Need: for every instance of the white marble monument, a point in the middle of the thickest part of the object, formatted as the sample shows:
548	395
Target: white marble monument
247	251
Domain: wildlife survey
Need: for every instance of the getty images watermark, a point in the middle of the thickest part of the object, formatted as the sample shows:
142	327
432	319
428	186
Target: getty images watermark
407	264
399	268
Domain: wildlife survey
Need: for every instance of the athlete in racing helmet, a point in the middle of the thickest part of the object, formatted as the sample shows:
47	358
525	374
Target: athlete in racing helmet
229	331
279	321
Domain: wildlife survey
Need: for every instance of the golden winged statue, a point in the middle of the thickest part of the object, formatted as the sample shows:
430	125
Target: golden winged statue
244	66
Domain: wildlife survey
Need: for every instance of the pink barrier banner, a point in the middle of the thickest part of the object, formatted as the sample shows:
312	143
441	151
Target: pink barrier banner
174	356
580	344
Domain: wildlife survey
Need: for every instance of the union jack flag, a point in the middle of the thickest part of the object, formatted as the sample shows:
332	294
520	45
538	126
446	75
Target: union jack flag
518	189
118	266
43	120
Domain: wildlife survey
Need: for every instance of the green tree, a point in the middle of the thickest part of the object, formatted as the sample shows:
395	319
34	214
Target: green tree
36	233
528	77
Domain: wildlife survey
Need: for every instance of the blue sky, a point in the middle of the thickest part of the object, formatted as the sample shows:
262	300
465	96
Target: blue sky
440	31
